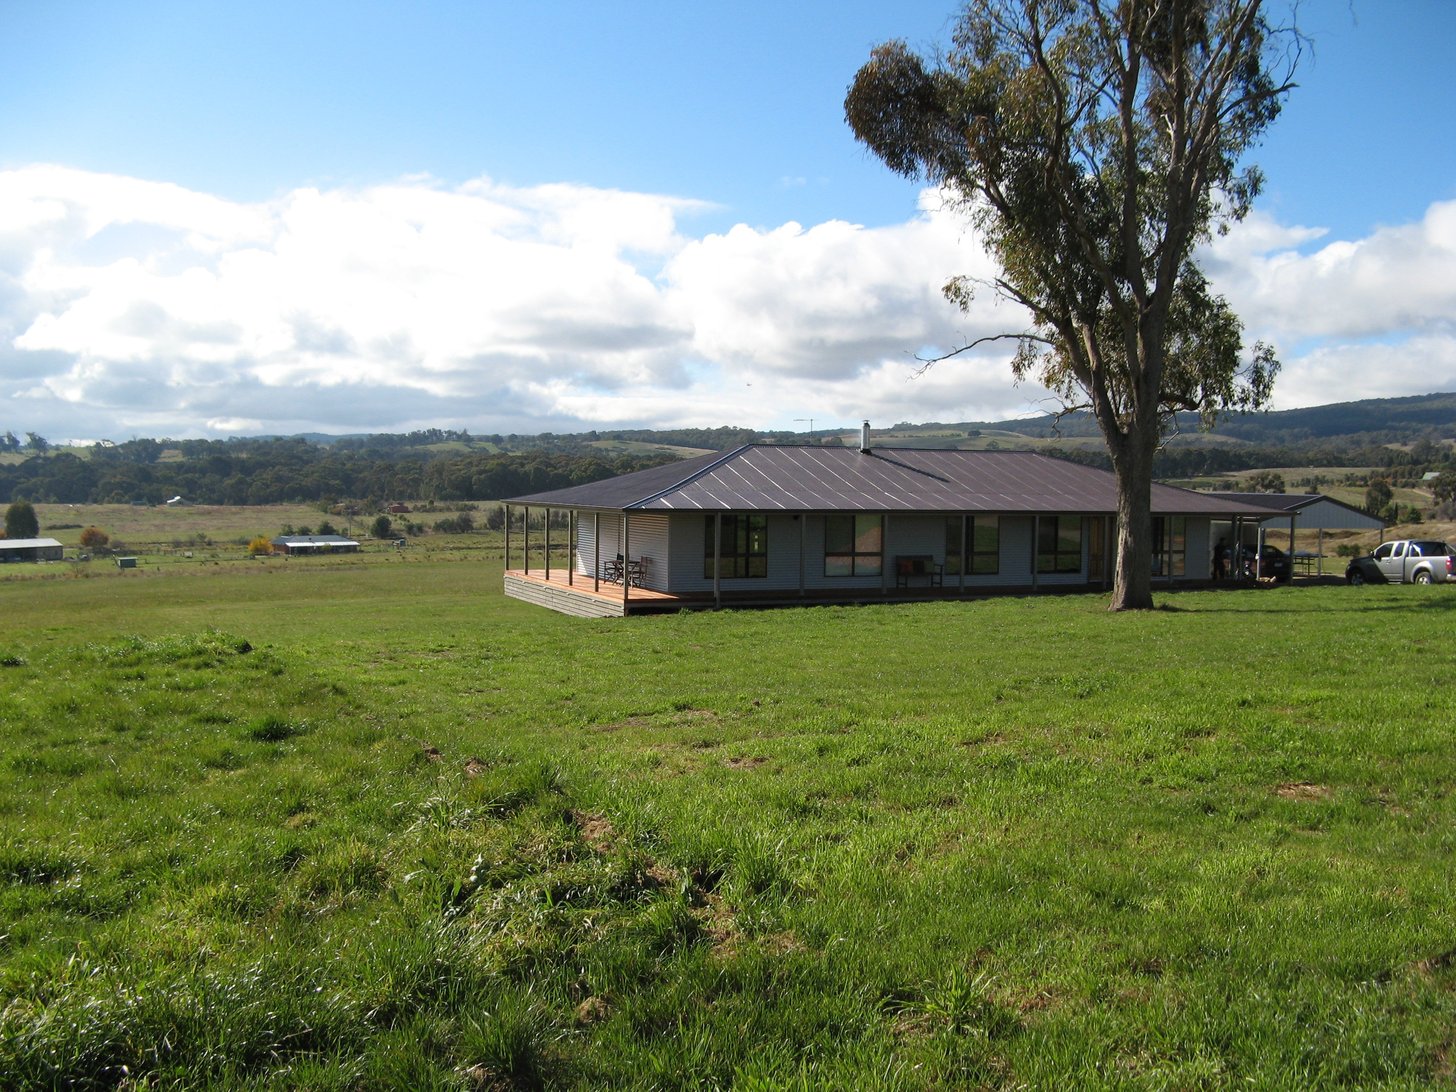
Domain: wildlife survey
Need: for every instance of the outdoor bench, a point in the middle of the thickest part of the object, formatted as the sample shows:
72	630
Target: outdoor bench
913	567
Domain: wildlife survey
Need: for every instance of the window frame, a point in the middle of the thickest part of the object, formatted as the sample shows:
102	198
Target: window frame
1170	545
972	553
857	559
740	556
1065	559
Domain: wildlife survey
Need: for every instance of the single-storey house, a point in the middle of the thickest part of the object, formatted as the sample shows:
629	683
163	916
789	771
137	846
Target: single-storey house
314	544
764	525
30	549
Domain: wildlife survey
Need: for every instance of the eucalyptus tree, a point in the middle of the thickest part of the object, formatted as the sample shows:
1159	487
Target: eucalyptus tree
1094	144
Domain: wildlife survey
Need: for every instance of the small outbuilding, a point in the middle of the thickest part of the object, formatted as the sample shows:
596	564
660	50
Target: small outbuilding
314	544
30	549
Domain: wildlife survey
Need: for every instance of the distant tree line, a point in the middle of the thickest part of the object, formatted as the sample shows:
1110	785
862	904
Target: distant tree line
276	471
444	466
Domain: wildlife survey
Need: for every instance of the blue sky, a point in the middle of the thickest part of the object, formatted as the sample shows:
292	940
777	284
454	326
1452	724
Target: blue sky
359	216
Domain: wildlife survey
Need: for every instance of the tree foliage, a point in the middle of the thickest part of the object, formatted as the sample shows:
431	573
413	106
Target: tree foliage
1093	145
94	538
21	521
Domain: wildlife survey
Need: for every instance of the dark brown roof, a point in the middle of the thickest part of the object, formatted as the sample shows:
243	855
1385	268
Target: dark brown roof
759	478
1282	502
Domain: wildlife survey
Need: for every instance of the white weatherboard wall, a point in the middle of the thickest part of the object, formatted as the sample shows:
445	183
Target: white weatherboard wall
691	540
908	533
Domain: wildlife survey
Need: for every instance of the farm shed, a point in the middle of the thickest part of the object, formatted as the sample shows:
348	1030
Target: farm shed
771	525
30	549
314	544
1302	511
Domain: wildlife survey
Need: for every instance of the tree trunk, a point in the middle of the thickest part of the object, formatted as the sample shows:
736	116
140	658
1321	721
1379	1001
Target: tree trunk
1132	587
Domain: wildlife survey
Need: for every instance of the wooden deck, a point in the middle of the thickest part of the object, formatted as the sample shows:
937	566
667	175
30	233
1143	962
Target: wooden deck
577	596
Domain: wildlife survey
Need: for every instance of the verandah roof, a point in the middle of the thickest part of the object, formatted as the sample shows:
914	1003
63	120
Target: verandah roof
757	478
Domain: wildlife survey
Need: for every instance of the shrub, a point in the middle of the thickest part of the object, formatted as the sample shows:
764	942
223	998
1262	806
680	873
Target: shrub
21	521
260	547
93	538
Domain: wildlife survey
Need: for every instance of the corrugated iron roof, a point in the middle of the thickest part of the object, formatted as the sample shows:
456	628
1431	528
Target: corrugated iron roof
758	478
1281	502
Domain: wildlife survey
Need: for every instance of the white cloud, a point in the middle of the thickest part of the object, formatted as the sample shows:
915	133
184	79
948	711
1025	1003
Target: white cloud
134	307
1398	281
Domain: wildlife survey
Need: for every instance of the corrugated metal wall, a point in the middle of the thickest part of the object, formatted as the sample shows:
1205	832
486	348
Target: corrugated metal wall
647	538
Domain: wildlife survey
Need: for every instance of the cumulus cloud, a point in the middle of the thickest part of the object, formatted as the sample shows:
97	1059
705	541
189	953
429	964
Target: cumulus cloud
135	307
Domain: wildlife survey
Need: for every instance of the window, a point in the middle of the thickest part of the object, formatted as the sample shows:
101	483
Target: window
985	551
853	544
744	550
986	544
1059	545
1170	545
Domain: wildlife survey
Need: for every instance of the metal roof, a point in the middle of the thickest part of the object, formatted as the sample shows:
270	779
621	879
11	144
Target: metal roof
314	540
1296	504
1282	502
26	543
758	478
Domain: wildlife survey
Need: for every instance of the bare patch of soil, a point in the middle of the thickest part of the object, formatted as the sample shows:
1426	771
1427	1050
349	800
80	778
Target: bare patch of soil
596	830
1304	790
593	1010
745	762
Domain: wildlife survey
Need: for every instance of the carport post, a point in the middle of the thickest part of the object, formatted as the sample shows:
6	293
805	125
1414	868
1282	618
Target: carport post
596	551
526	538
508	538
626	563
547	552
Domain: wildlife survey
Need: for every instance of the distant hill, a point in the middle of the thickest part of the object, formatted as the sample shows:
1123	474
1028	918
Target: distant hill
1359	424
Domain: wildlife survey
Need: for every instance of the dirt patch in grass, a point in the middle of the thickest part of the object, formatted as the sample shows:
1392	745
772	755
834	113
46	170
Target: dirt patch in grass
592	1011
432	753
1303	790
745	762
596	830
474	767
1436	963
984	741
618	725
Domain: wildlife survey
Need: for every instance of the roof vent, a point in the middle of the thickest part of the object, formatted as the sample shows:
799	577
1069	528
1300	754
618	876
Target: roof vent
864	438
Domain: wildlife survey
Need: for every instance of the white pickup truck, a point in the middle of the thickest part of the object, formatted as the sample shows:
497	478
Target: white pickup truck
1405	561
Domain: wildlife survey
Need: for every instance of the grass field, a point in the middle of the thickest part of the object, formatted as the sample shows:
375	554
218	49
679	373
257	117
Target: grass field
367	824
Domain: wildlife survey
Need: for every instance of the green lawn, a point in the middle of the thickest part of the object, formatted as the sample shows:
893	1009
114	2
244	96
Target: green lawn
367	824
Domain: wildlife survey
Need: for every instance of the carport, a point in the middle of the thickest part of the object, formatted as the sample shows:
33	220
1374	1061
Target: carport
1307	511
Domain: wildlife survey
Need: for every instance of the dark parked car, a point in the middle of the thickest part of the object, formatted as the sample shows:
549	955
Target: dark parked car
1272	564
